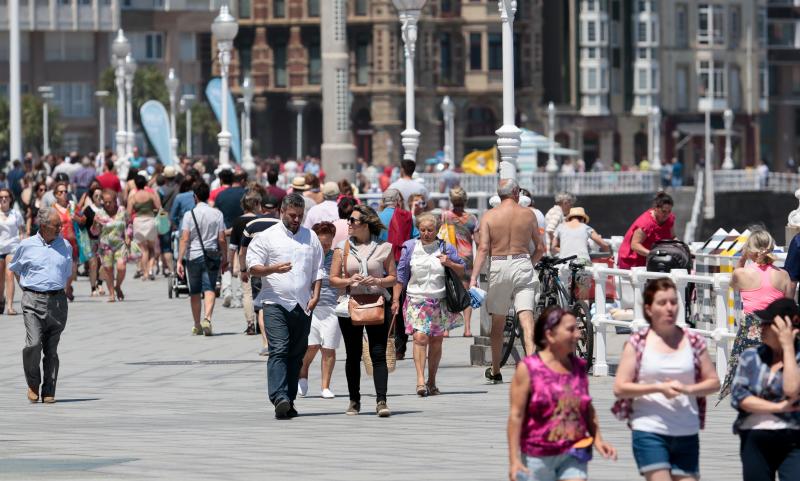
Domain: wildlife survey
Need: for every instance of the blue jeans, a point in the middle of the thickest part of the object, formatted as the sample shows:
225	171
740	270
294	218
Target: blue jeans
680	455
199	277
287	334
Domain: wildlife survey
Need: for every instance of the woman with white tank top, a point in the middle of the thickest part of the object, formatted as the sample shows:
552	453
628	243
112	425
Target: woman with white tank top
662	380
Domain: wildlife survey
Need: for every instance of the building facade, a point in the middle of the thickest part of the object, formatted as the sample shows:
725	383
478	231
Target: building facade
65	44
617	59
459	53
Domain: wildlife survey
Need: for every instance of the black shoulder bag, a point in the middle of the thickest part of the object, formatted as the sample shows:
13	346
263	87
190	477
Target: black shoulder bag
456	297
212	257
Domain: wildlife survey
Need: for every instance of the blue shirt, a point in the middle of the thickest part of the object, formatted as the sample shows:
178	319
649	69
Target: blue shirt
41	266
792	263
183	203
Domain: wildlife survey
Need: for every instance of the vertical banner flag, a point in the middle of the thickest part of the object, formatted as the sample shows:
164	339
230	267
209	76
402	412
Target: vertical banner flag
156	124
214	96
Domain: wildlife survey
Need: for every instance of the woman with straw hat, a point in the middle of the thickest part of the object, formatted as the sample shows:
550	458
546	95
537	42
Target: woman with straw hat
572	237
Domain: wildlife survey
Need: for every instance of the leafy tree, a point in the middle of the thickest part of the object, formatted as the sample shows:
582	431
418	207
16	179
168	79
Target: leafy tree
31	124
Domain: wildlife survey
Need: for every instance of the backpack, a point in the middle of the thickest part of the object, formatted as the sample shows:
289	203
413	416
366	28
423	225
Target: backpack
669	254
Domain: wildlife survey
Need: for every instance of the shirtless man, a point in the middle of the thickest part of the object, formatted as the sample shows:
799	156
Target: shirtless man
505	234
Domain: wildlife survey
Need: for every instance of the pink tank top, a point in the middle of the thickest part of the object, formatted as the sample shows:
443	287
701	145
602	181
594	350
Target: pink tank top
558	408
757	299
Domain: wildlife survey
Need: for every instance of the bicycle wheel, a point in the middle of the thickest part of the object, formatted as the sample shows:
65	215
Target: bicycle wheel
511	332
585	348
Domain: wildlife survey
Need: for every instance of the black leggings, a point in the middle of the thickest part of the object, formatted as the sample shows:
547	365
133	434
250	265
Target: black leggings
765	452
353	337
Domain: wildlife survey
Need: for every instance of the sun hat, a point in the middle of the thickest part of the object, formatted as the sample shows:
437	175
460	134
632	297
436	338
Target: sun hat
169	172
578	212
330	189
299	184
784	307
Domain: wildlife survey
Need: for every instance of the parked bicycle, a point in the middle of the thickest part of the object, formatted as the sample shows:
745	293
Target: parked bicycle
553	292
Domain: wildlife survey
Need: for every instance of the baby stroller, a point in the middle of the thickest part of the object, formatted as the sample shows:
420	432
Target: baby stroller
178	285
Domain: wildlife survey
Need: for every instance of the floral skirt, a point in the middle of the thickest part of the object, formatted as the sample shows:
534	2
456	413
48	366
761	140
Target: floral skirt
429	316
748	335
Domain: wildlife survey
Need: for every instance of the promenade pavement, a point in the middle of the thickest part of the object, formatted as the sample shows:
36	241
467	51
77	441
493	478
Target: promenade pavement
139	398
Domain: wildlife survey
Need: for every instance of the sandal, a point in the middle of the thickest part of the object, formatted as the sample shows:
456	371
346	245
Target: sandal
433	390
120	295
422	390
11	311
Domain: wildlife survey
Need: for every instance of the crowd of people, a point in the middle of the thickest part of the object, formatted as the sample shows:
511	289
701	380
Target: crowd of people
313	265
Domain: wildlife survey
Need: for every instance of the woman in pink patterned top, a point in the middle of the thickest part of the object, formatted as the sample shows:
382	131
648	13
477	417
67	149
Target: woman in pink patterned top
552	423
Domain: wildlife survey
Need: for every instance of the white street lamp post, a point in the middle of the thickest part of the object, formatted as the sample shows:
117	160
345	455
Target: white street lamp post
509	134
709	208
552	164
130	72
243	131
186	106
172	87
247	95
14	82
409	11
101	124
47	93
448	112
727	164
299	106
120	48
655	164
224	29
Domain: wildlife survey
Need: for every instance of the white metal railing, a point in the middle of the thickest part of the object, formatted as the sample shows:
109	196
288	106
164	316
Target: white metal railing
544	184
694	220
752	180
637	277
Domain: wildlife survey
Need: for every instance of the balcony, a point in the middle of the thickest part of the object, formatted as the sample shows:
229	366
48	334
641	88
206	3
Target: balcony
36	17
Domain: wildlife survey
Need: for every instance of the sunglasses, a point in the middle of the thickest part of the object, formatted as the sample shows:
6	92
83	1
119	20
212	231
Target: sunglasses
61	192
5	197
355	221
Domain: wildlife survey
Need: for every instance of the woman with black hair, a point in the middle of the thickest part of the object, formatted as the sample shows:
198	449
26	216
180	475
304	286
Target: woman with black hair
143	205
655	224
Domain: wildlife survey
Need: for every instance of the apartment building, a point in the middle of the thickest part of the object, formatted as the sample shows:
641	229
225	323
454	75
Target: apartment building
617	59
459	53
64	44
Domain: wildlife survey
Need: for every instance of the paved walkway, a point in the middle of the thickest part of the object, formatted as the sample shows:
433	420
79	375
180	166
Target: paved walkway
139	398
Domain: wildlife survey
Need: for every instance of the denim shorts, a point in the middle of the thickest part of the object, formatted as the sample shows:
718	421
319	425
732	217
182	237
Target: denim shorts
553	468
165	242
199	277
678	454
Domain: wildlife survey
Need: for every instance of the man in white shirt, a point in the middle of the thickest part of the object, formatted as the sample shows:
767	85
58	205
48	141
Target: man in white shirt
405	184
327	210
289	259
201	248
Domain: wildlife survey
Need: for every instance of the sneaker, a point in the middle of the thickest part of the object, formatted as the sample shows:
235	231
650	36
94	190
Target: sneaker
197	331
282	409
382	409
226	302
302	387
251	329
264	351
292	412
328	394
353	408
492	378
206	325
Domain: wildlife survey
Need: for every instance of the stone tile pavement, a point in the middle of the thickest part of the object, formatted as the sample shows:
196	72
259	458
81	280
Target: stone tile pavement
140	398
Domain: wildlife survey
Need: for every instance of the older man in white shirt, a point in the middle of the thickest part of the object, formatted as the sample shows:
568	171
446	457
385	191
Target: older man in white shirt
289	259
327	210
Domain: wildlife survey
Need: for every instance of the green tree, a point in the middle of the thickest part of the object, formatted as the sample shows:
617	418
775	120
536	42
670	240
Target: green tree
31	124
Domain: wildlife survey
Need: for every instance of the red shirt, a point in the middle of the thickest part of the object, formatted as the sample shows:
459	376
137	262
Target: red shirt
214	193
653	232
109	180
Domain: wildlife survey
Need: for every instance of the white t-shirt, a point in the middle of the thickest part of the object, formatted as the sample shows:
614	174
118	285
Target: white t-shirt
409	187
574	241
654	413
11	225
427	272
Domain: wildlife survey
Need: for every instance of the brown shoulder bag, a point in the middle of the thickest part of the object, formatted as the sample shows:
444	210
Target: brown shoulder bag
365	309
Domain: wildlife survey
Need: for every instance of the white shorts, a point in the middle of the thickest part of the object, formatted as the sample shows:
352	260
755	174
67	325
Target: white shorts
325	329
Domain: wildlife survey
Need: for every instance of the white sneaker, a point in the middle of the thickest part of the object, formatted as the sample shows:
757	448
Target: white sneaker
302	387
328	394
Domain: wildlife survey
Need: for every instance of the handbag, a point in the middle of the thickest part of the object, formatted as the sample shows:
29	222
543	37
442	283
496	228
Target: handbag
456	296
212	257
364	309
163	222
391	354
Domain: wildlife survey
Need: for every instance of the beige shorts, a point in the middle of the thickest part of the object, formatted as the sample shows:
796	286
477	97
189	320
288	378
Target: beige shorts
512	283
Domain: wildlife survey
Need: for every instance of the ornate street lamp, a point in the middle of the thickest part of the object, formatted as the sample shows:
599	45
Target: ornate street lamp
224	29
409	11
101	123
509	135
247	95
448	112
47	93
130	73
172	87
120	48
552	165
727	164
655	164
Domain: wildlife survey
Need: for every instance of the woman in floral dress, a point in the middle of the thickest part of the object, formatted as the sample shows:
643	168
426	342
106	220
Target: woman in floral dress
110	225
464	226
